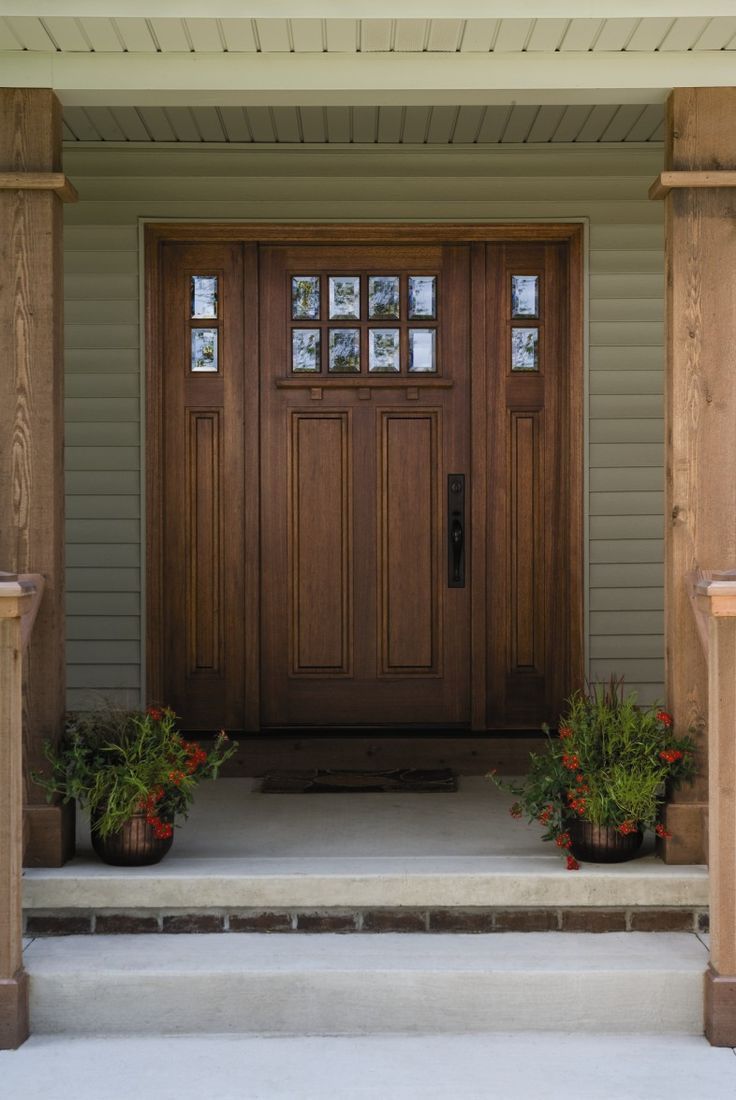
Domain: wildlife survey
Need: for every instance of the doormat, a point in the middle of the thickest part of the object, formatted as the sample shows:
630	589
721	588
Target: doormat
327	781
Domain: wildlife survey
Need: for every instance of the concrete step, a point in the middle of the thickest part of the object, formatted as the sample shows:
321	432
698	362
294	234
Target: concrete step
353	985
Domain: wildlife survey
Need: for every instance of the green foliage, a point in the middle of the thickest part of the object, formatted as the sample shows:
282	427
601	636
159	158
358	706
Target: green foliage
116	763
610	765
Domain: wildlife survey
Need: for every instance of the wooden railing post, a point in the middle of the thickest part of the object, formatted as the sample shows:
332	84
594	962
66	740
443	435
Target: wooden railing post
717	600
16	602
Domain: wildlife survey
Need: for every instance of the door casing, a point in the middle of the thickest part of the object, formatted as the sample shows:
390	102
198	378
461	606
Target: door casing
476	236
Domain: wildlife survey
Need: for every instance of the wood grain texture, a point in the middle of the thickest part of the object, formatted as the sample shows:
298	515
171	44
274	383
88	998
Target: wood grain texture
700	400
39	181
31	398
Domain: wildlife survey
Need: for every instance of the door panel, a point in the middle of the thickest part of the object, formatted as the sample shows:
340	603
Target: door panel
355	464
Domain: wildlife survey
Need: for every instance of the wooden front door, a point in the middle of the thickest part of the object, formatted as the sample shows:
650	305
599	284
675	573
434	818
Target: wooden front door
365	400
364	474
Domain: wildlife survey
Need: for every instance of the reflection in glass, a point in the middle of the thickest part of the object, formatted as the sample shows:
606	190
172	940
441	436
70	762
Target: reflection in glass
525	349
524	295
305	349
305	297
383	297
344	297
422	349
383	349
345	349
204	296
423	296
204	349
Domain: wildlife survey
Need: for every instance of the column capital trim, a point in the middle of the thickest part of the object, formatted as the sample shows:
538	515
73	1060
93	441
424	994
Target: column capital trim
40	181
670	181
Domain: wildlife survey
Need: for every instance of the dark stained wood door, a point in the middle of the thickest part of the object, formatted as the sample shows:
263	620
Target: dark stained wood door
364	399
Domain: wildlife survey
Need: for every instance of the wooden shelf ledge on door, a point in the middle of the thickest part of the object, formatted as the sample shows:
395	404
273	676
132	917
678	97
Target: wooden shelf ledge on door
362	382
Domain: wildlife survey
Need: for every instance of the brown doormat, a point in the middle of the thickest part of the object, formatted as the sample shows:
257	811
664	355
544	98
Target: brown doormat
326	781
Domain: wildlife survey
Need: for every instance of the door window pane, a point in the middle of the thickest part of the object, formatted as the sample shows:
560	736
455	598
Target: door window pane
345	350
204	350
305	297
524	295
204	296
305	349
344	297
525	349
383	349
422	296
383	297
422	343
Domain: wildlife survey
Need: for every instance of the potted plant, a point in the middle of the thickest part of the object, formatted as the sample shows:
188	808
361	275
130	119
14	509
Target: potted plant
134	773
602	780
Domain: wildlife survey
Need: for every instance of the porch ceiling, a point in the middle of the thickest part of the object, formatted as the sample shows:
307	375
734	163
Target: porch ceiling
443	125
162	54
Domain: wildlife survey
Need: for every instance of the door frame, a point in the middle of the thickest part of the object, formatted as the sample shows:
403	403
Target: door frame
252	234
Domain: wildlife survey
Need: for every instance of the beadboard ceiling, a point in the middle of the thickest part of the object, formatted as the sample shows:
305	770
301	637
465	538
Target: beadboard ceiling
339	125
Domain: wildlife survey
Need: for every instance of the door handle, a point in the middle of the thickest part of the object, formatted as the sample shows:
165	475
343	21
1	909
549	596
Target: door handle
456	531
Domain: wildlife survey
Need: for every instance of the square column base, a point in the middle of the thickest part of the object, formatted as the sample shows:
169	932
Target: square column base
14	1016
51	835
688	844
720	1009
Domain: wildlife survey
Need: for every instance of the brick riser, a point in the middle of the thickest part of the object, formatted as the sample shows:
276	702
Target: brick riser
473	920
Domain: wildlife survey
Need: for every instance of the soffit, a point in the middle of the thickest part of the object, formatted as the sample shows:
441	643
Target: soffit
137	34
410	125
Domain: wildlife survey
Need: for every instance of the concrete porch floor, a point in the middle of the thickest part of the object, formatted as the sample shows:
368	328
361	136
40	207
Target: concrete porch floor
241	847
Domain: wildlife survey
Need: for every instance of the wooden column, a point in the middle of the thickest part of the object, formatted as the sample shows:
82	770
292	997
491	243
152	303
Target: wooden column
699	188
31	418
15	601
719	601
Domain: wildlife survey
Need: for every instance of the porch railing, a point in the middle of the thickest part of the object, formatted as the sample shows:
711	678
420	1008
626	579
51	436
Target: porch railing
714	602
19	600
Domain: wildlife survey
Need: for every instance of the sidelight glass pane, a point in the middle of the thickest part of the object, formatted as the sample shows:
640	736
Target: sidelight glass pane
422	342
305	297
524	295
344	297
423	296
305	349
204	296
345	350
204	350
383	349
525	349
383	297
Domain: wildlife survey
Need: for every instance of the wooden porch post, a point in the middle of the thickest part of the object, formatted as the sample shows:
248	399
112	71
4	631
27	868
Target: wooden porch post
699	188
15	600
31	419
718	600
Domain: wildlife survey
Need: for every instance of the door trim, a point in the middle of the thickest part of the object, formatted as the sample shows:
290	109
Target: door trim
156	234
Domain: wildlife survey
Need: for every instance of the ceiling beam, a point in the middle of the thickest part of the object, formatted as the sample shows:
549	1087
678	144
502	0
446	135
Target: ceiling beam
193	79
359	9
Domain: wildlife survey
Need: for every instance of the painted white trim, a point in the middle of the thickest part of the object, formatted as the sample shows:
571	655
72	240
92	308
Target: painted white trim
375	79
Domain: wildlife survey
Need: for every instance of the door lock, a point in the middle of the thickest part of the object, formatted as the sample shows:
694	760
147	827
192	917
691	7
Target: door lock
456	531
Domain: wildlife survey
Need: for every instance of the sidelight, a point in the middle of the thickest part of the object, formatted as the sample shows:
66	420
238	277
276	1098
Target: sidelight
203	297
524	349
524	296
204	350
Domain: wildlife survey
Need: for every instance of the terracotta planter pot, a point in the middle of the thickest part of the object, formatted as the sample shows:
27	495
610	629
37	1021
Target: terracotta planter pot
602	843
133	845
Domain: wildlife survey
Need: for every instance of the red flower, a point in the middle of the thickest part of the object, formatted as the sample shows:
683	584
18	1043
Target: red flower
627	828
563	840
670	755
664	717
176	777
572	864
662	832
155	713
565	732
571	762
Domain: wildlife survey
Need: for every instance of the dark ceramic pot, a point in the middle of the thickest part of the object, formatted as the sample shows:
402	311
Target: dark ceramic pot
602	843
133	845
